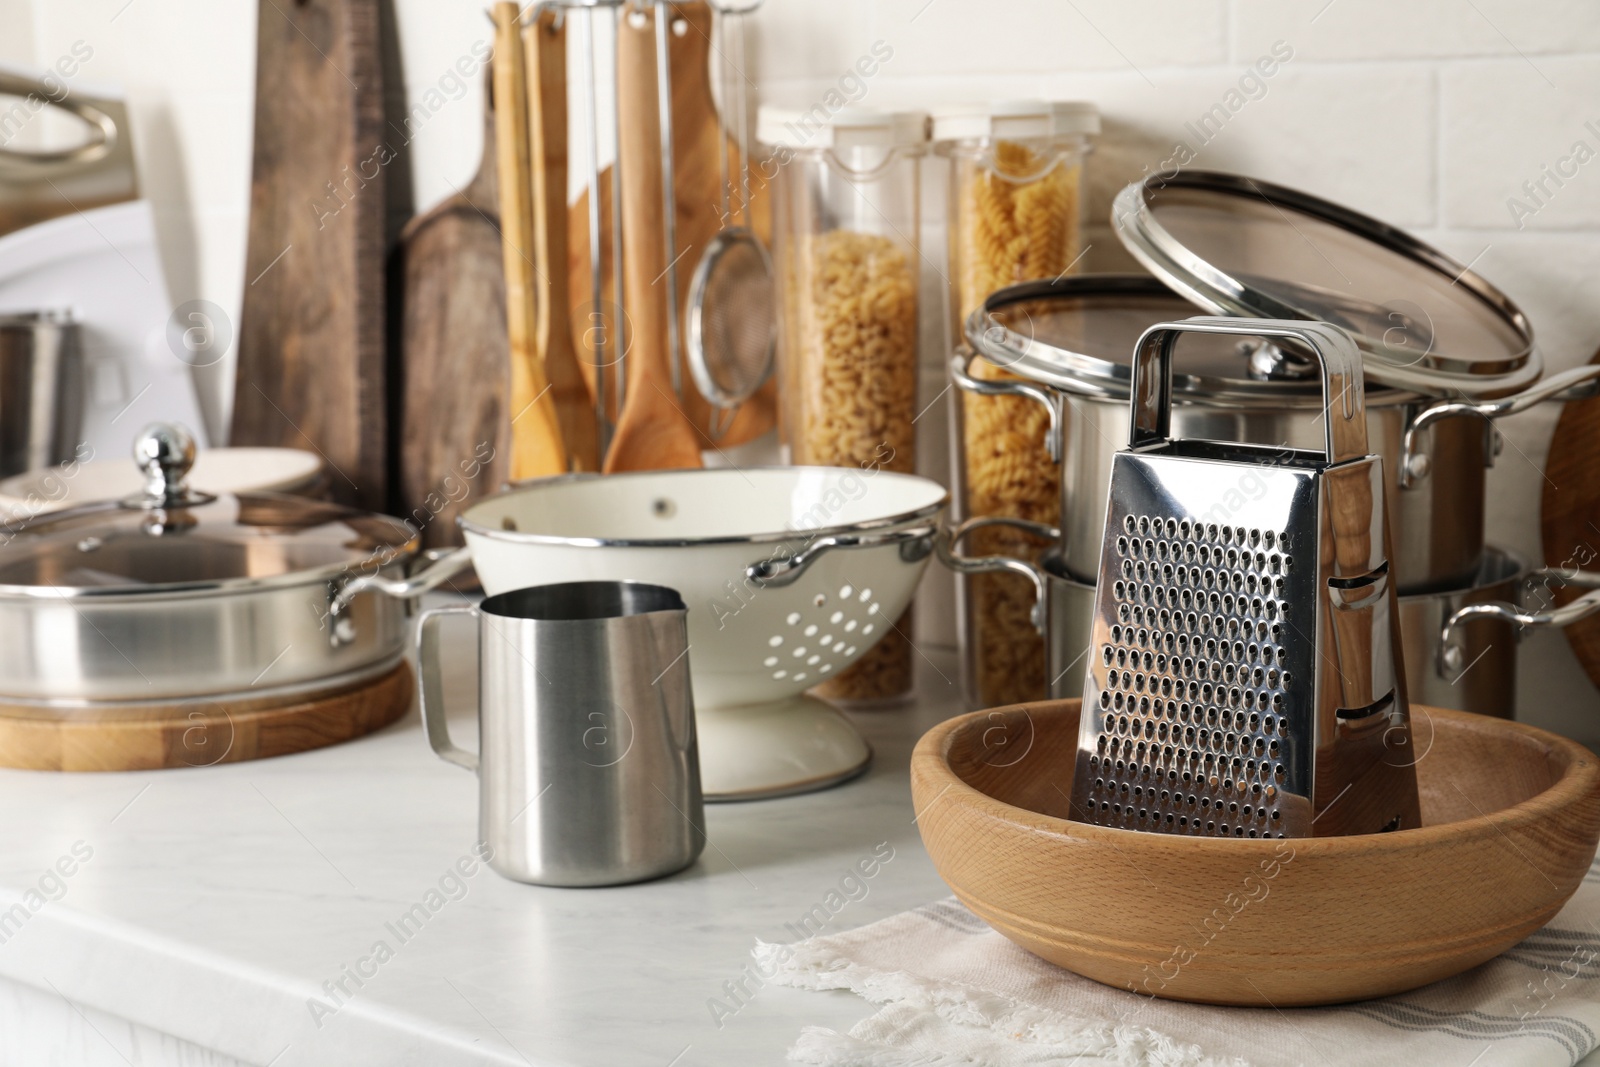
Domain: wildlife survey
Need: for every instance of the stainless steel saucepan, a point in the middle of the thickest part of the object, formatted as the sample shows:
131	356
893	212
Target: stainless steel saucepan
1460	644
174	593
1069	342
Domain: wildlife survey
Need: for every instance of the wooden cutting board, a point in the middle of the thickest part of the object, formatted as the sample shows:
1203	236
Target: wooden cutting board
310	370
454	374
697	175
1570	515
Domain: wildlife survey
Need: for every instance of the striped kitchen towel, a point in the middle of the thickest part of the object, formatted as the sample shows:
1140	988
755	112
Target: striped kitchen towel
953	993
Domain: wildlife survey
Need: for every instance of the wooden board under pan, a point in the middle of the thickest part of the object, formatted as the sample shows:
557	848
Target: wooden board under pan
200	732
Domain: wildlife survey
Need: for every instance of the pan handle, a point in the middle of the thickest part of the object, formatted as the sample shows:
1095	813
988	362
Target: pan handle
962	375
950	538
433	576
915	542
1450	655
1580	383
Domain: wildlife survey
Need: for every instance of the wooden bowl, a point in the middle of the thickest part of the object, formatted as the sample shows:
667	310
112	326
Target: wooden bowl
1511	816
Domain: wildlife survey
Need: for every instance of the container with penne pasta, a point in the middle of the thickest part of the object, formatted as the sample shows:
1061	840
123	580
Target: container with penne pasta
845	236
1014	215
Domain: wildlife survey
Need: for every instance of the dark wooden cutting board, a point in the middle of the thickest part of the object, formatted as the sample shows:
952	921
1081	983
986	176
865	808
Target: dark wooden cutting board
1570	518
310	370
454	372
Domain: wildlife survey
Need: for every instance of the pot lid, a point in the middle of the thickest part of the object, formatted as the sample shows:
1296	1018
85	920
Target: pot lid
1238	246
1078	333
171	538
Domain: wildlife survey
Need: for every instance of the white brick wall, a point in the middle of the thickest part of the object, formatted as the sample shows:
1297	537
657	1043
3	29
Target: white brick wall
1430	114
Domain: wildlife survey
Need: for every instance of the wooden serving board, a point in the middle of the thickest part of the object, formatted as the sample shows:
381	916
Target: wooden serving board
310	371
198	733
1570	515
455	373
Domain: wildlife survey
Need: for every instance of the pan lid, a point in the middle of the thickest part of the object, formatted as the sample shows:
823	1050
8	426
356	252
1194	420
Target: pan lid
170	538
1078	333
1238	246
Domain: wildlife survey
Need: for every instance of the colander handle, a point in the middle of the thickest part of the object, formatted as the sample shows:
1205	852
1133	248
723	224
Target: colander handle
1343	398
950	537
916	543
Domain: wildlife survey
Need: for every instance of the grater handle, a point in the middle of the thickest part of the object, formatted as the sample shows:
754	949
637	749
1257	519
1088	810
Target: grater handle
1343	397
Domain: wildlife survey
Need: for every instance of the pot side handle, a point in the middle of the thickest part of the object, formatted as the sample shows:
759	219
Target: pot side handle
1450	654
1580	383
950	538
432	695
963	378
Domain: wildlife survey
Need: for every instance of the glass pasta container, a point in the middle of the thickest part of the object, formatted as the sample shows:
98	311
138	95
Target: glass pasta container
1015	215
845	235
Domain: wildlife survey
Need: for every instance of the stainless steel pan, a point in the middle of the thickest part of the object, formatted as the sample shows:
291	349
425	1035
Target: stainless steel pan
175	594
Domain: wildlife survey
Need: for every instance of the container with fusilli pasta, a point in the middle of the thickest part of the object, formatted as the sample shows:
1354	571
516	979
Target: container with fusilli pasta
845	231
1014	215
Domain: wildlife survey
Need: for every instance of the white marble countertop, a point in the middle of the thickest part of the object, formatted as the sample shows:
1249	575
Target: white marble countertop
215	903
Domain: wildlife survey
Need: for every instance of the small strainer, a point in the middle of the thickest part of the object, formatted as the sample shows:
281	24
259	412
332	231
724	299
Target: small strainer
732	314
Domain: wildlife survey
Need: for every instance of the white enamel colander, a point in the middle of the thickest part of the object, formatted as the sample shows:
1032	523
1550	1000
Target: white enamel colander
790	574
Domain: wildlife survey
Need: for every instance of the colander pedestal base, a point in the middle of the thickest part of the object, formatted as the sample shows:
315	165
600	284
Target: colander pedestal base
796	745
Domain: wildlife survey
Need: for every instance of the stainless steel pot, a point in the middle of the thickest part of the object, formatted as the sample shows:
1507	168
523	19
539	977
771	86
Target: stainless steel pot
1070	341
174	593
41	390
1460	645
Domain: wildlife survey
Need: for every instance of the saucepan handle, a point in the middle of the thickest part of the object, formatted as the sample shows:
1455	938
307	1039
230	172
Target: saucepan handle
915	542
432	697
961	374
1450	654
431	577
1580	383
950	538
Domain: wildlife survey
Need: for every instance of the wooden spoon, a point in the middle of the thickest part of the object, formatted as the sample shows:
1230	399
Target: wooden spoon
698	198
652	432
536	444
546	42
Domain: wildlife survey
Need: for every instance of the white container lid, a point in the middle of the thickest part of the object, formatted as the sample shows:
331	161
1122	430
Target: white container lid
1016	120
844	129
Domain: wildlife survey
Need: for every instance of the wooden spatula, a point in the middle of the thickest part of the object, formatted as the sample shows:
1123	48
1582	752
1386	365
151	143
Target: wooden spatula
652	431
454	377
546	42
537	448
698	175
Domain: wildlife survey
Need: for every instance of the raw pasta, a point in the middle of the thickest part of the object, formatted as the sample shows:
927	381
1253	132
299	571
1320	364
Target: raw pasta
1013	224
851	387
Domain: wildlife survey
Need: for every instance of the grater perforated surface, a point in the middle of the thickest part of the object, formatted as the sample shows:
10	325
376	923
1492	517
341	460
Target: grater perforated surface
1194	697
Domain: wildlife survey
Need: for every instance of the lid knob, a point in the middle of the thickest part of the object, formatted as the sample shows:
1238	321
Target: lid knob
165	451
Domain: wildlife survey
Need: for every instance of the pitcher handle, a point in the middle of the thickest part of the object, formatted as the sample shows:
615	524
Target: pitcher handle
432	697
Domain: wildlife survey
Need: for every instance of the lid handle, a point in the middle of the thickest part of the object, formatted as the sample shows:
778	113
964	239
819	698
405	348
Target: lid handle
165	452
1343	396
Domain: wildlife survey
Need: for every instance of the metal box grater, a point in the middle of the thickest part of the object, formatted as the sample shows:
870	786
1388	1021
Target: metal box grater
1246	676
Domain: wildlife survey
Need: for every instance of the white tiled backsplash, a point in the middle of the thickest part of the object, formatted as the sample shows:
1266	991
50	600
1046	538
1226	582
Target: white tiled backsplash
1430	114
